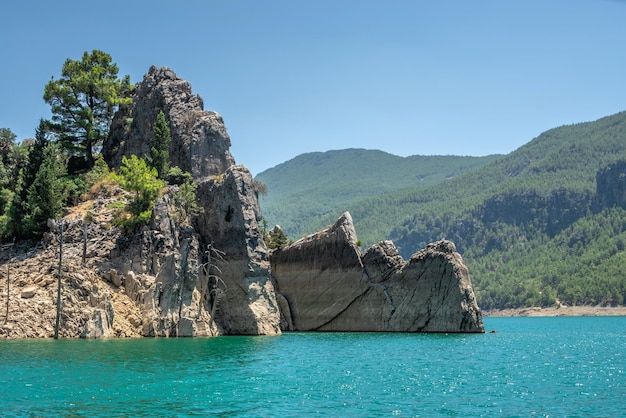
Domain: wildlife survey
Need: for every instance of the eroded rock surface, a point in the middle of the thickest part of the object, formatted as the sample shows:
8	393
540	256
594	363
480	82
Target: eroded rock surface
200	143
208	275
329	285
218	267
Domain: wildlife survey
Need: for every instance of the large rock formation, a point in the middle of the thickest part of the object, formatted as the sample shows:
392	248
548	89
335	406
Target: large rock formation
325	283
200	144
210	275
221	263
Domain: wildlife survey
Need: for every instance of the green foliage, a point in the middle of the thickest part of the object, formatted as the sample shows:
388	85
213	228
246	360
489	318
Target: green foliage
4	178
314	189
99	171
525	223
74	188
13	211
23	211
117	205
35	156
17	160
7	142
581	265
83	102
13	158
45	196
159	153
276	239
136	176
185	202
6	195
177	176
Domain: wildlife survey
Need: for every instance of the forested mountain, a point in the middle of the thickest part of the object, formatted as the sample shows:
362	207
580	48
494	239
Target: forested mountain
309	191
533	226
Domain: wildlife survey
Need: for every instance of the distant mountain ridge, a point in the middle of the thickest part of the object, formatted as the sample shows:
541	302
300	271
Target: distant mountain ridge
533	226
306	192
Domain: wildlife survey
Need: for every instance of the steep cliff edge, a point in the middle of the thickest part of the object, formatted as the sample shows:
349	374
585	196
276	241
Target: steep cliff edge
207	277
329	285
200	143
220	263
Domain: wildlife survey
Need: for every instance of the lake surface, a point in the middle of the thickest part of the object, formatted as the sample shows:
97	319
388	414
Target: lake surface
566	366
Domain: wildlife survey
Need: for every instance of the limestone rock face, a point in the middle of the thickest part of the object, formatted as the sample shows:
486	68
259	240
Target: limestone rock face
177	276
91	307
160	272
210	278
98	326
329	285
230	222
200	143
320	275
213	277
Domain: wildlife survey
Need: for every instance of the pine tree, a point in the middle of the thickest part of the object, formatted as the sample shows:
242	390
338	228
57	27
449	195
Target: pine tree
15	224
186	204
7	142
12	222
35	157
44	199
136	176
159	153
84	101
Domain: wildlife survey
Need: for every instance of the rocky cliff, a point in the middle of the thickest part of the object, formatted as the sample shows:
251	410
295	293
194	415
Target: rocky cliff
209	277
325	283
200	144
611	186
220	262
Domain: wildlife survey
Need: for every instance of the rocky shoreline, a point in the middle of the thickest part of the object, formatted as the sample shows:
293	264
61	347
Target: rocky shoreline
558	311
211	273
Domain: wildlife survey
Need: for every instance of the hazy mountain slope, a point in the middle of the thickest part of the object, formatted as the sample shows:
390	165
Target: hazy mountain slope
309	191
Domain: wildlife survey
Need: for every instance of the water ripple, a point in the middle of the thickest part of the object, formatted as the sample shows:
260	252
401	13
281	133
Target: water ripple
531	367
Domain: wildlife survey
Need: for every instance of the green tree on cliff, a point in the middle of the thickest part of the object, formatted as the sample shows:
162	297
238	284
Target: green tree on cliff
15	212
185	201
14	155
159	153
135	175
45	197
84	101
35	156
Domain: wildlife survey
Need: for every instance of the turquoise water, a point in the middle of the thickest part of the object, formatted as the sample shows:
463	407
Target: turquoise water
531	367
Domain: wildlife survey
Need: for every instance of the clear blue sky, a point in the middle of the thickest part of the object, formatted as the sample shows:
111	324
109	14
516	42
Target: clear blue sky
289	77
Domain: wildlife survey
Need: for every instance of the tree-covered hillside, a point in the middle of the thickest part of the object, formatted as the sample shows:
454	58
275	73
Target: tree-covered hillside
528	226
532	226
309	191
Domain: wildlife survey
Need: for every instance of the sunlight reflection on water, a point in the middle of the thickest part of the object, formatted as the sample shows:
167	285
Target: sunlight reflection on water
532	366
